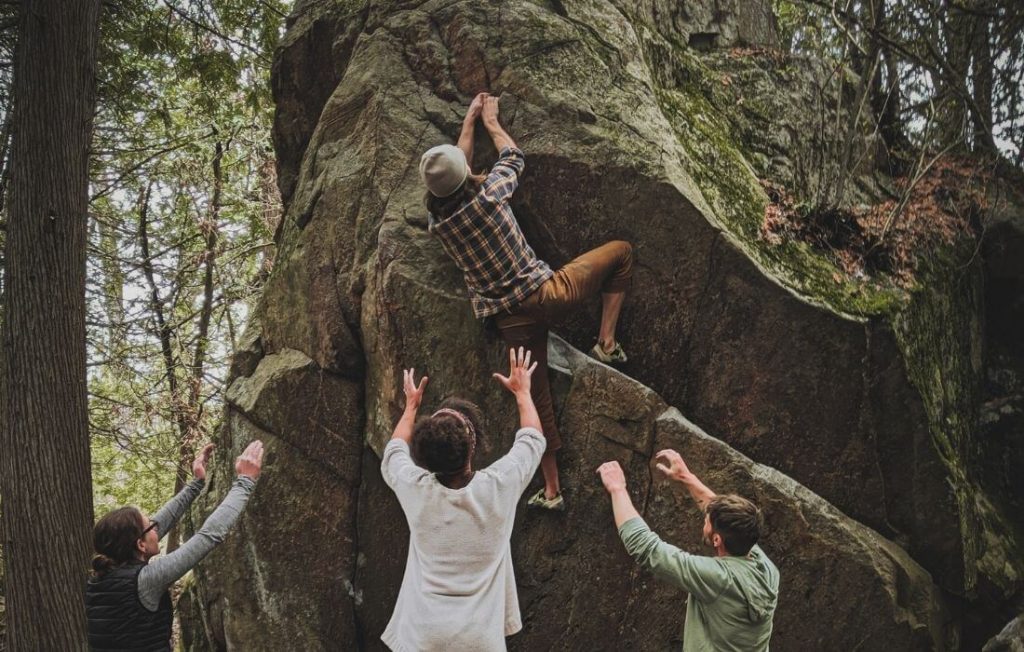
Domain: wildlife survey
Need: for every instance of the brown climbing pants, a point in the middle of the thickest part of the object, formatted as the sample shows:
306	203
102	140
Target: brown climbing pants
607	270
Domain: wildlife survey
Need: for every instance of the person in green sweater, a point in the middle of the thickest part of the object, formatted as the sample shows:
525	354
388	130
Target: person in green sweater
733	595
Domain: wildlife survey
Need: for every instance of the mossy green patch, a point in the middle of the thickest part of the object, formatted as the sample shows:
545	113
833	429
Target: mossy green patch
700	115
940	336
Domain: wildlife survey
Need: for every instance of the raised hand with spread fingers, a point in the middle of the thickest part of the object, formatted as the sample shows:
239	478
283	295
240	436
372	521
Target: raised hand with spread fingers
413	399
518	382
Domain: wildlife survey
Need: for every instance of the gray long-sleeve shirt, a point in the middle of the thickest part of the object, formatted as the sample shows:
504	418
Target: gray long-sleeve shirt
164	571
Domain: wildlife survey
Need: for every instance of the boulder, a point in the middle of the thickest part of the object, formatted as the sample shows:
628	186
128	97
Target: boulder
621	142
845	409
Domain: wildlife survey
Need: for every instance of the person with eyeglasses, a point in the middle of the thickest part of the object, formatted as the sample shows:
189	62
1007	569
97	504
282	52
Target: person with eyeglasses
128	601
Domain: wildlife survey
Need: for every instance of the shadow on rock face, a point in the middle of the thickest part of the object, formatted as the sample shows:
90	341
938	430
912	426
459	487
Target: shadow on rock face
820	396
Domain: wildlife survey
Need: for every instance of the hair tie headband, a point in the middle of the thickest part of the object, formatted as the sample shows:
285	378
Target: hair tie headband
468	425
461	417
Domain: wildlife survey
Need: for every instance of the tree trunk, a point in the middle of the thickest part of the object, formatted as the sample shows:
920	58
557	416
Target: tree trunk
45	475
981	79
166	335
952	109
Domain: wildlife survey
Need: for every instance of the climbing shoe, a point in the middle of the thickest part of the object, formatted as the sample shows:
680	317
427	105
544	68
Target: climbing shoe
556	504
615	356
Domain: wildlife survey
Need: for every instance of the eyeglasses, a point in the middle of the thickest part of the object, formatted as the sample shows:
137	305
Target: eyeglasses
153	525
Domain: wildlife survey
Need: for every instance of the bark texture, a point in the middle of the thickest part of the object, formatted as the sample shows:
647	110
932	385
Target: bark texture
45	473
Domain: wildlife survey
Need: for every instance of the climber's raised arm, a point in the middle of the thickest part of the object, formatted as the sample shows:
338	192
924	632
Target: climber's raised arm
737	589
413	398
489	115
468	123
671	464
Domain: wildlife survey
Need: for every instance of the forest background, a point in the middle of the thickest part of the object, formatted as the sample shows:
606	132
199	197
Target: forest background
183	204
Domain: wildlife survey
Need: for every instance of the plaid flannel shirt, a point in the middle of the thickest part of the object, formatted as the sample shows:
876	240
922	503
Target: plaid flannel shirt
486	243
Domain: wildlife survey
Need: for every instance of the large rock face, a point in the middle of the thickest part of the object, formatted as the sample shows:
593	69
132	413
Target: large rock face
580	591
840	396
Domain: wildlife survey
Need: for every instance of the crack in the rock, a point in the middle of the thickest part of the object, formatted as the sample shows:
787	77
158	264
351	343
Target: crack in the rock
616	119
357	486
548	47
868	415
615	52
709	276
635	570
410	162
436	26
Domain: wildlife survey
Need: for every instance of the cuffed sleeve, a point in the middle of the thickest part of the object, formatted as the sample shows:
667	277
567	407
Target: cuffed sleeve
504	177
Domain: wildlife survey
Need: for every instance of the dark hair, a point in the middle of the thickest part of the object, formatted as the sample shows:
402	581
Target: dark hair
470	410
114	538
441	443
737	520
442	207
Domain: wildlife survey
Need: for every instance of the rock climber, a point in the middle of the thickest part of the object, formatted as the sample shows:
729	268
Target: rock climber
471	216
733	595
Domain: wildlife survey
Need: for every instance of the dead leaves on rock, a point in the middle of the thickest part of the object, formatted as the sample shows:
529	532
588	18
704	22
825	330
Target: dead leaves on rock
890	238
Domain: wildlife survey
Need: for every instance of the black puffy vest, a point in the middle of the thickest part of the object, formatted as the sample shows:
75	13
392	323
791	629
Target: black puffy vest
118	621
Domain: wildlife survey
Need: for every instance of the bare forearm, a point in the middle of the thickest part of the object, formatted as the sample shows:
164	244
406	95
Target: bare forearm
528	417
622	507
499	136
466	139
403	429
698	490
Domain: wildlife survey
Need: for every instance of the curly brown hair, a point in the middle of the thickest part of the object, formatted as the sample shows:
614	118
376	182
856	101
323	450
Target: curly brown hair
442	443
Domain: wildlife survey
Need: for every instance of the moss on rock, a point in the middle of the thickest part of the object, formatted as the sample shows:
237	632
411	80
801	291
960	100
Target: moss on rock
704	120
940	336
936	323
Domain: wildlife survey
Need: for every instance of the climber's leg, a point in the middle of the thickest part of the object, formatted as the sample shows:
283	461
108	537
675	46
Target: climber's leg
607	269
611	306
526	327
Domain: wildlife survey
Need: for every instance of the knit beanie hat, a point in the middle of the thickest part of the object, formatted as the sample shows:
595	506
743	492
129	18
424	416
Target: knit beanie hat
443	169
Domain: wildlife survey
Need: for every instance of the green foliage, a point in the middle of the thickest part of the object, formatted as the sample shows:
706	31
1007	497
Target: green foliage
952	66
183	170
137	471
804	29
